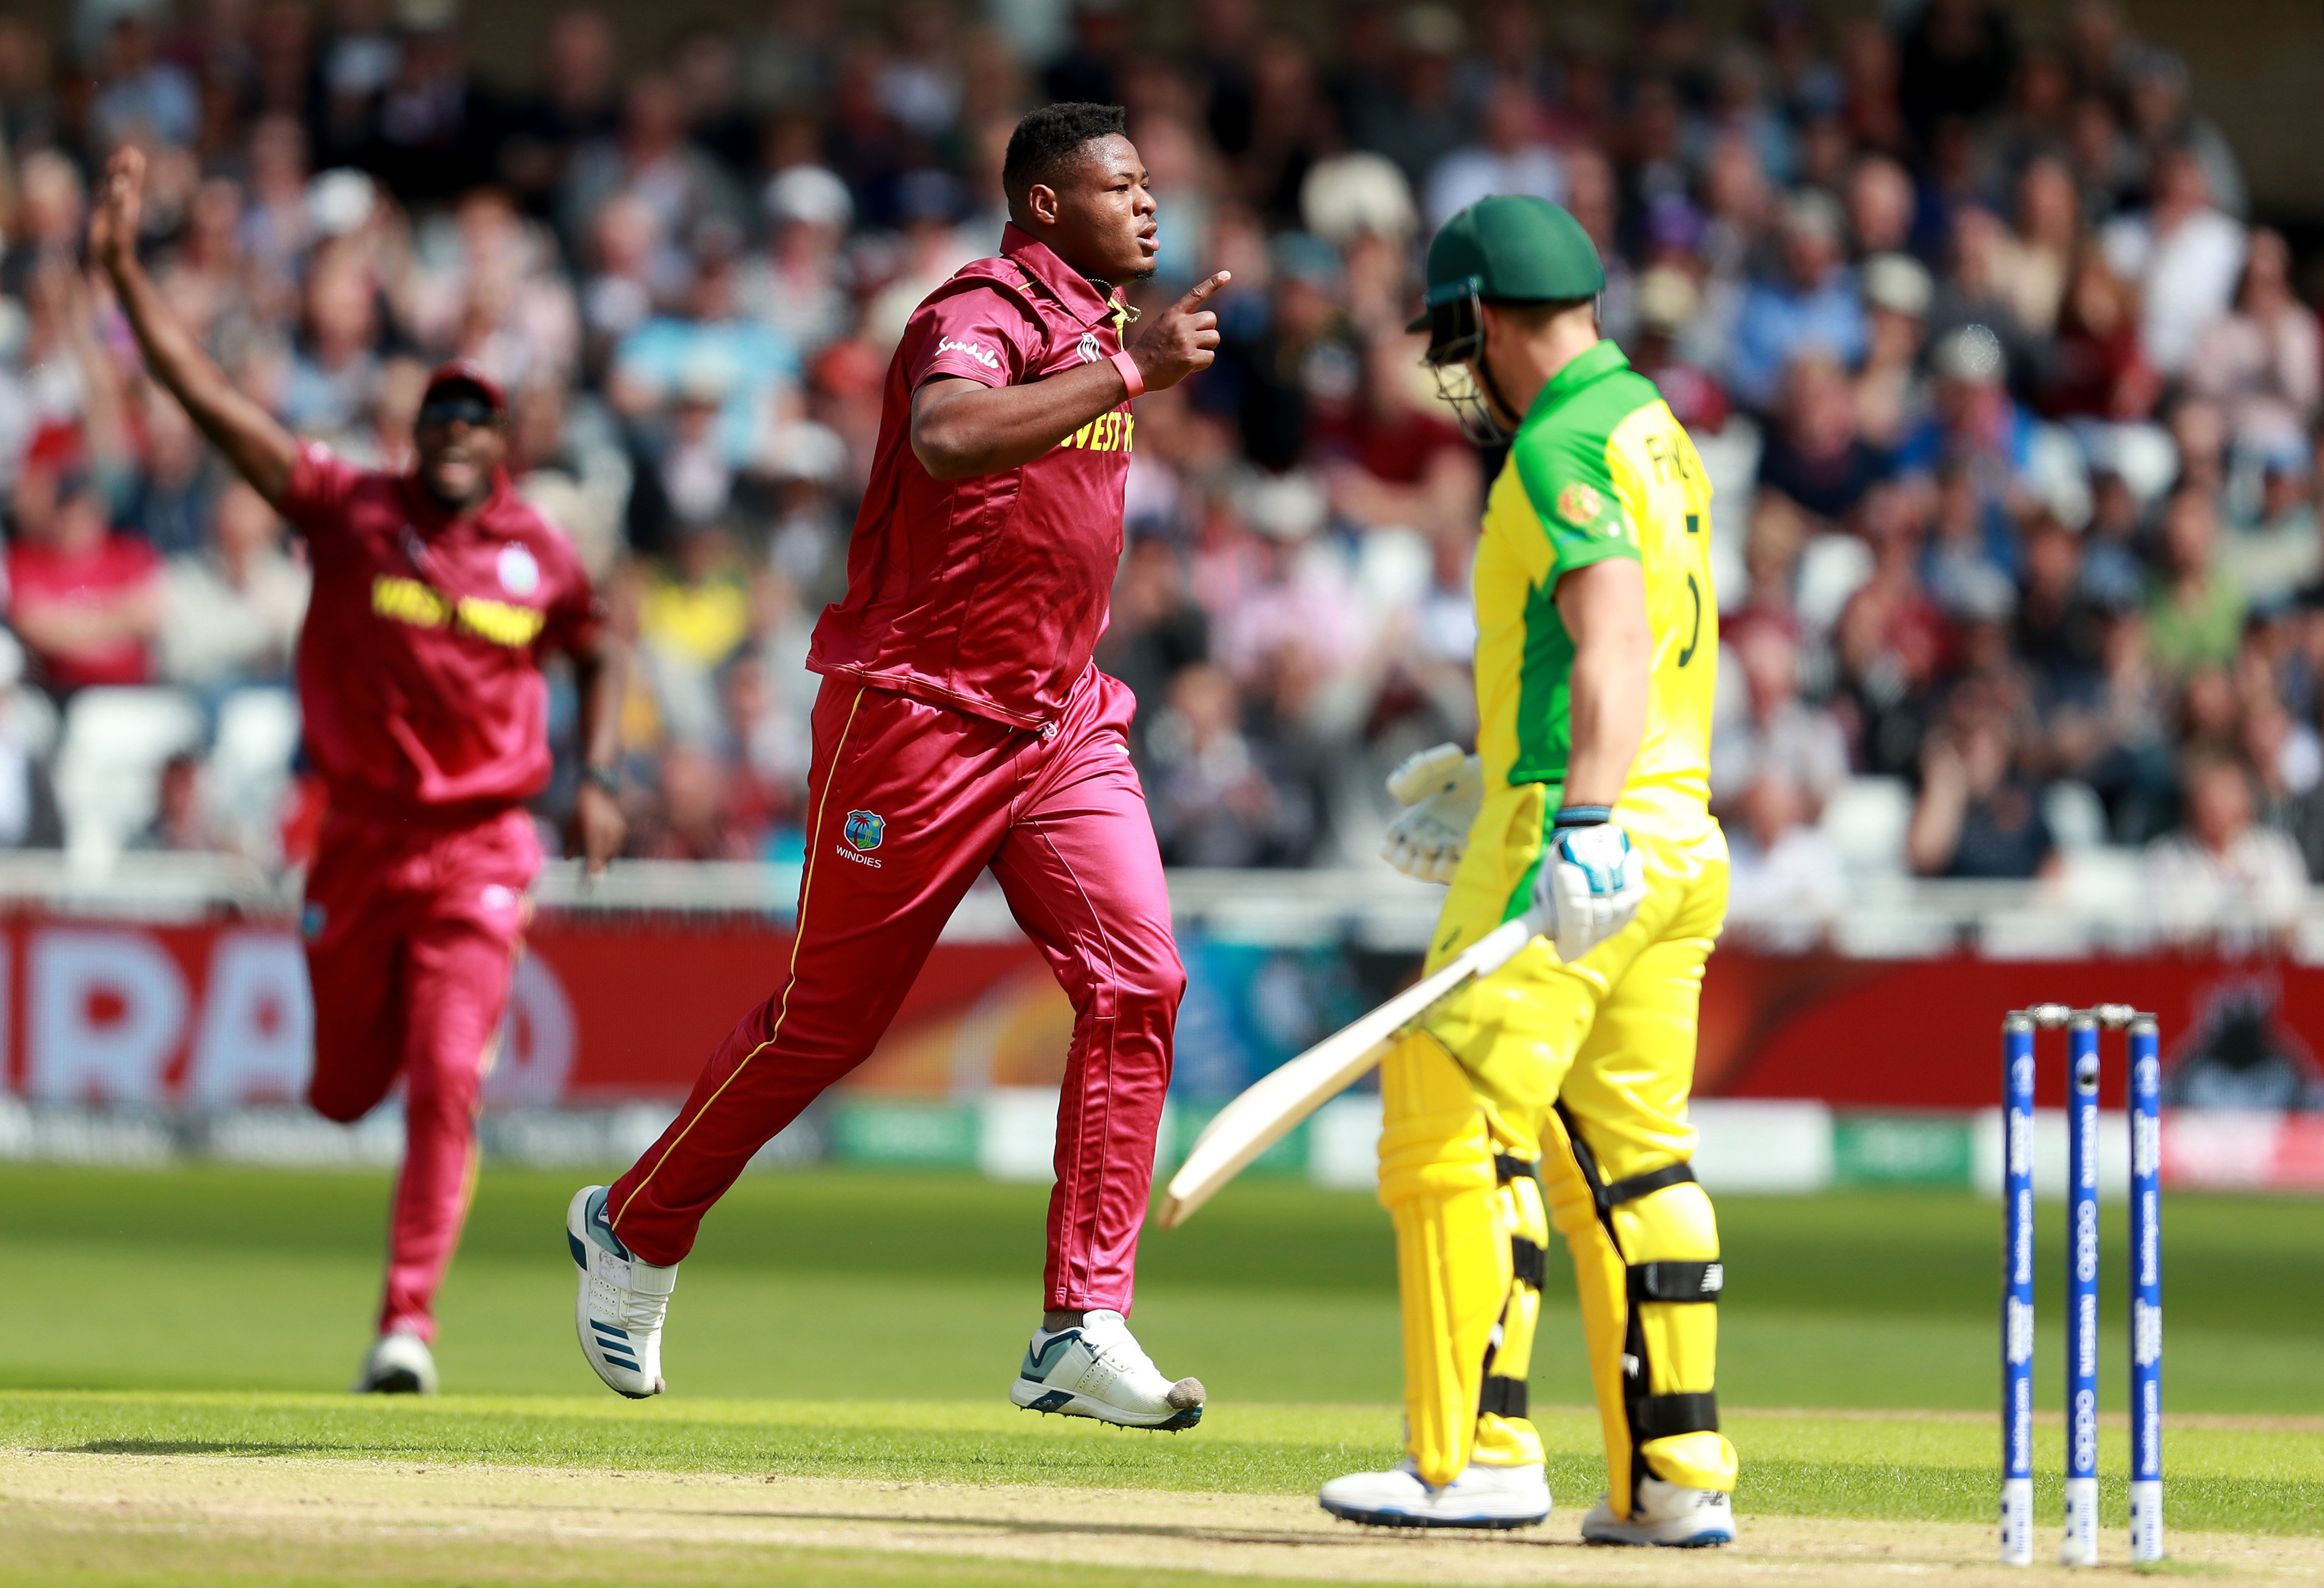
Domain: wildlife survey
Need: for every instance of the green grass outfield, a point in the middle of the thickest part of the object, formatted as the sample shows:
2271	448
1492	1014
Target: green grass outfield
839	1322
852	1286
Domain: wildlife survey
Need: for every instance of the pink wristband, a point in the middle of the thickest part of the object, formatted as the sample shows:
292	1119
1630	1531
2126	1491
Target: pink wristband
1129	376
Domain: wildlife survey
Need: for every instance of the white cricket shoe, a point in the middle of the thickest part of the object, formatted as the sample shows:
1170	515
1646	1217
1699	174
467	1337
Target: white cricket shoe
1097	1369
1480	1497
618	1316
400	1363
1668	1514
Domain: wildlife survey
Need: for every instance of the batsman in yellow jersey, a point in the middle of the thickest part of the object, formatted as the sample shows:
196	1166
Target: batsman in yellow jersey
1554	1091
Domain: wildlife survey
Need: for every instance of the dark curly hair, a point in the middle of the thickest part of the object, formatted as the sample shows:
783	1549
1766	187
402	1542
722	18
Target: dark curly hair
1048	139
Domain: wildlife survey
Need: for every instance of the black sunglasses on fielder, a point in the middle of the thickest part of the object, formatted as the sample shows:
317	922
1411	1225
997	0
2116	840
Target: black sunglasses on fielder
458	407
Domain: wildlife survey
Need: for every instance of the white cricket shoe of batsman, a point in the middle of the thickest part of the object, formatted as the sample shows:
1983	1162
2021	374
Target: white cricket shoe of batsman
618	1316
1480	1497
1665	1514
1441	790
398	1364
1097	1369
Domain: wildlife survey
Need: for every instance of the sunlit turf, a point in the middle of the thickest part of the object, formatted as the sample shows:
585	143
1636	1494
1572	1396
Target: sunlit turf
850	1286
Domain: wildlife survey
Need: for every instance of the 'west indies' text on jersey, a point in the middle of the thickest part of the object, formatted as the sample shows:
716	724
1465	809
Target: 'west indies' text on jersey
419	663
987	594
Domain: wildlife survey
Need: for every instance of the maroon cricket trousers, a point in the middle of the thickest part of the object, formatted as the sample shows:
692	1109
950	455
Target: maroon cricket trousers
412	932
908	803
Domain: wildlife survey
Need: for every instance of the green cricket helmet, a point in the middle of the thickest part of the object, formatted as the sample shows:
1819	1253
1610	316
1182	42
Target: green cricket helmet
1505	249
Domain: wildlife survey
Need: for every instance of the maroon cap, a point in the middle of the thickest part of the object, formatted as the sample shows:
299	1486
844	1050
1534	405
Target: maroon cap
467	372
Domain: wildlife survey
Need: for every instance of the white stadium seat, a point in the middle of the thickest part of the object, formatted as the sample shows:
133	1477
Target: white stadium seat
109	763
250	763
1866	820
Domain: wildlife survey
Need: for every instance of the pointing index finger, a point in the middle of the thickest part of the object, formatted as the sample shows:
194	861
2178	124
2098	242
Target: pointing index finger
1205	289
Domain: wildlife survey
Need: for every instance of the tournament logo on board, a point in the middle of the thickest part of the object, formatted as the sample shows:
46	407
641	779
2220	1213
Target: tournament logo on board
866	828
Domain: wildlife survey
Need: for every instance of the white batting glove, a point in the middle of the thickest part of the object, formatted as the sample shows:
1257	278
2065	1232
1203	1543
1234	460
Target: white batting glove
1444	786
1591	883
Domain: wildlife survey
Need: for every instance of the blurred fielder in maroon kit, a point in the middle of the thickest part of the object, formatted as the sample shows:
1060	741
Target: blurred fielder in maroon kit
437	594
961	726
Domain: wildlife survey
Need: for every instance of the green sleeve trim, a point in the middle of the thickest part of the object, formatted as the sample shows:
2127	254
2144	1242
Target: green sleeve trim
1571	489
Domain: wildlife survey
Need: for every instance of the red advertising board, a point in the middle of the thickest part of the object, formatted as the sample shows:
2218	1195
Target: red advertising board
609	1008
220	1016
1926	1033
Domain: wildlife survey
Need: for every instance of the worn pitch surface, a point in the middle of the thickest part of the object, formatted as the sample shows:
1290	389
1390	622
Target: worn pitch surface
86	1517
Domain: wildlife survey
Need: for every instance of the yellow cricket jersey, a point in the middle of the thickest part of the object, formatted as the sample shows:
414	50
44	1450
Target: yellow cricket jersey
1600	468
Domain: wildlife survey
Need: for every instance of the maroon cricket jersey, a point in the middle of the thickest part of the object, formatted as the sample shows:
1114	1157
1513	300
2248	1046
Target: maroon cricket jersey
987	594
419	663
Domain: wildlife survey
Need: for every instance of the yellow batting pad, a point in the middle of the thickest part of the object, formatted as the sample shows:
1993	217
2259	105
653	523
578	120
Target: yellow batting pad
1451	1248
1682	1338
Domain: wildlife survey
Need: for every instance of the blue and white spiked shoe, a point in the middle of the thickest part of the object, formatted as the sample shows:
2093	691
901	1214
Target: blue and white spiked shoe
1097	1369
618	1316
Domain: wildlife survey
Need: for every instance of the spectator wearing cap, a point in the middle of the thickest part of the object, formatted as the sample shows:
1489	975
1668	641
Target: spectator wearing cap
2223	877
1668	303
1813	302
2260	362
1890	396
1975	435
1509	155
800	285
2184	254
85	600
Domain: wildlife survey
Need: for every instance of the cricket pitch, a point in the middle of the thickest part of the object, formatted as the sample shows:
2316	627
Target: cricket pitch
86	1517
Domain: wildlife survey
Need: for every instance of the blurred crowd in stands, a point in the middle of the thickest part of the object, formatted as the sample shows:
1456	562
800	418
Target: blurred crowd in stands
2011	406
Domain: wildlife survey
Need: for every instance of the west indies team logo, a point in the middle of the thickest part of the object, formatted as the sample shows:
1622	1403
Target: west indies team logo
520	573
1580	505
866	828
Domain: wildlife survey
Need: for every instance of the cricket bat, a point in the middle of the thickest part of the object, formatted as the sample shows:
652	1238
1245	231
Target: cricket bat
1267	1110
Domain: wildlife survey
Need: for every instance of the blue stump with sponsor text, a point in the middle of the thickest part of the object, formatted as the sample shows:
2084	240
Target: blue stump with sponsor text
2081	1543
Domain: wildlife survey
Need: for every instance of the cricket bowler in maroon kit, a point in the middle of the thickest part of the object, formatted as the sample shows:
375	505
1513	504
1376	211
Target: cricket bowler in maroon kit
962	726
437	594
